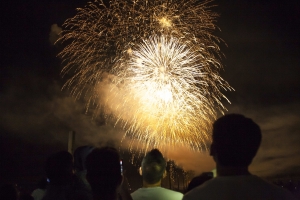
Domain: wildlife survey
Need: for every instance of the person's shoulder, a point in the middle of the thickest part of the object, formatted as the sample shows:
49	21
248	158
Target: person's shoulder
171	193
193	194
259	184
197	192
238	185
38	192
168	190
276	190
136	192
156	193
208	189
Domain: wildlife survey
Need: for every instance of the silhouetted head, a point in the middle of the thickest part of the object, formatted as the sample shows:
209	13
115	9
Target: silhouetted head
80	155
236	140
59	168
103	170
153	167
199	180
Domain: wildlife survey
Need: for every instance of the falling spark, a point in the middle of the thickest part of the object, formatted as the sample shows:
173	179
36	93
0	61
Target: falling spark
163	58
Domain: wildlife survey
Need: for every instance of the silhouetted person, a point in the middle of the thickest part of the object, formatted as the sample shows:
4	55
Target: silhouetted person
39	193
104	174
153	170
235	141
9	192
81	185
59	170
199	180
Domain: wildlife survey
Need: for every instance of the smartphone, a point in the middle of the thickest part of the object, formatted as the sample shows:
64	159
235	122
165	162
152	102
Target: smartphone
121	164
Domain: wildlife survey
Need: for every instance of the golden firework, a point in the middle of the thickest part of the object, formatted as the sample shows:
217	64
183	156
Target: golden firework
164	60
171	90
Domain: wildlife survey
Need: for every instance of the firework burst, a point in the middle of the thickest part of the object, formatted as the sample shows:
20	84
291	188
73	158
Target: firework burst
164	59
172	91
100	34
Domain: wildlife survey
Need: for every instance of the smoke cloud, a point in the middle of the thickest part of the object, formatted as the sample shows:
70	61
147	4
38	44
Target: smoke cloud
47	119
54	33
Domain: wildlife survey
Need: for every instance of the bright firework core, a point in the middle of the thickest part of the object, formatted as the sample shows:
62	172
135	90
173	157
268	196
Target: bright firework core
165	23
165	67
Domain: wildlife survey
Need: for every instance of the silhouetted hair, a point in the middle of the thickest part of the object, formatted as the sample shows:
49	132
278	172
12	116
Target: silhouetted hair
236	140
103	170
199	180
153	166
59	168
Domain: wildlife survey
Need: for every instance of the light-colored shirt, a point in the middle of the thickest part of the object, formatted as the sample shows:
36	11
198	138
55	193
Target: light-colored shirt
38	194
156	193
248	187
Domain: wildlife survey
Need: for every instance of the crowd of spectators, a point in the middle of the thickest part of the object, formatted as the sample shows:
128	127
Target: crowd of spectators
96	173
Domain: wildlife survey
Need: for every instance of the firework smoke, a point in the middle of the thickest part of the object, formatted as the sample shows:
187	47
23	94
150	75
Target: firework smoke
163	60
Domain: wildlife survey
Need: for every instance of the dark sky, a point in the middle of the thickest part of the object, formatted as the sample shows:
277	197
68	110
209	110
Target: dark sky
262	64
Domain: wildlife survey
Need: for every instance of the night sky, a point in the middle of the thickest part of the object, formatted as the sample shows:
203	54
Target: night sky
262	64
